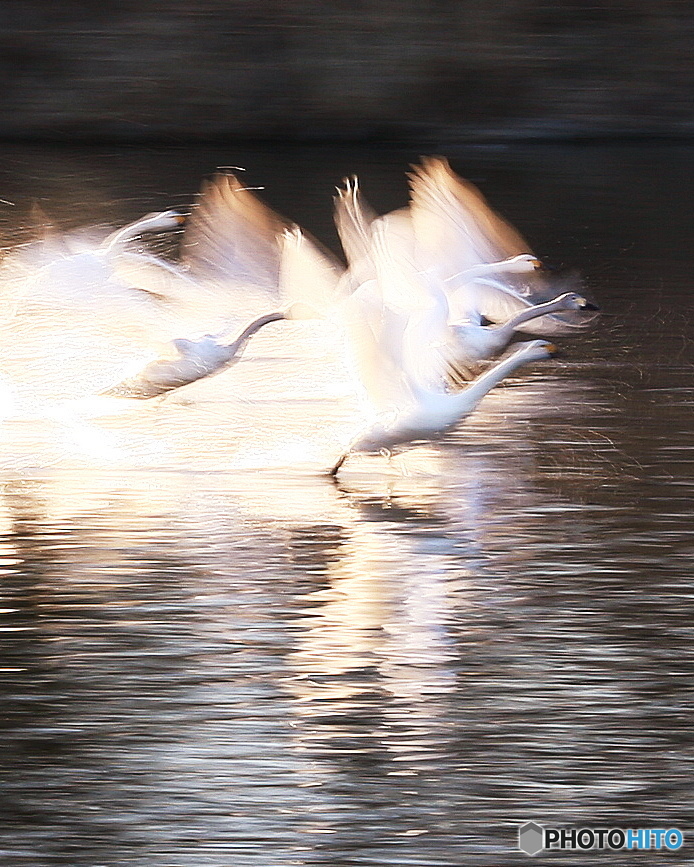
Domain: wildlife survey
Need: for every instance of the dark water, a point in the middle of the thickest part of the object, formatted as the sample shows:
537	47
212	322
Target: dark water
216	667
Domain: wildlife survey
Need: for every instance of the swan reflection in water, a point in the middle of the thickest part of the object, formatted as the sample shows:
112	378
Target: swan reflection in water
380	659
385	592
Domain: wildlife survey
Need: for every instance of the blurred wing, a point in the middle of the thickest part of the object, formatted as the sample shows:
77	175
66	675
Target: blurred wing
353	218
418	300
453	221
396	318
400	230
309	275
232	236
375	339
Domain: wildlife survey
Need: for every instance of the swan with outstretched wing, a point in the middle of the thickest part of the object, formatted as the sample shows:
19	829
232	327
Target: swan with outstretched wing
396	323
440	238
487	267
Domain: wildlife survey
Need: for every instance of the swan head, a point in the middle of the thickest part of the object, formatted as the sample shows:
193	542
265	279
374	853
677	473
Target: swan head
162	221
524	263
574	301
536	350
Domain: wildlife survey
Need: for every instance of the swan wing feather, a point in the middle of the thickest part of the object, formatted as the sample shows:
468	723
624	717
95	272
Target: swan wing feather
232	236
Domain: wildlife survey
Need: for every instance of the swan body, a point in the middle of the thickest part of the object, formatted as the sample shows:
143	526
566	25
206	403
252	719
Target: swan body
467	341
435	412
194	359
396	324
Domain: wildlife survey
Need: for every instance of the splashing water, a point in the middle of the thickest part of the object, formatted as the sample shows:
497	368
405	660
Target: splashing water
77	320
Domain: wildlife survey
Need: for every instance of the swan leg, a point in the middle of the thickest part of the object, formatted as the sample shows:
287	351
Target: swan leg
336	468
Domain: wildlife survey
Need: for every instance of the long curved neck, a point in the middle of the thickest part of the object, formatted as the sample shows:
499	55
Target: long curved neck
238	345
468	274
472	394
507	328
132	230
485	268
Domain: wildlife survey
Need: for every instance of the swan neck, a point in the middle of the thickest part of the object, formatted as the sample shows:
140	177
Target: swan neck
472	394
254	326
124	234
534	312
480	270
132	230
485	268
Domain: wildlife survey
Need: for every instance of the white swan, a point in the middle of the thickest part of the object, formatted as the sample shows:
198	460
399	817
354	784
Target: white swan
81	243
443	233
77	268
434	411
396	323
487	267
473	342
194	360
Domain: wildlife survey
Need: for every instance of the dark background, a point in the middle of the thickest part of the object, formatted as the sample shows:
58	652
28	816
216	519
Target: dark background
360	70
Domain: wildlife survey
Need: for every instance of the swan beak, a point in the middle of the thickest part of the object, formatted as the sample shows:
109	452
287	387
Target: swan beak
587	305
537	264
180	219
552	350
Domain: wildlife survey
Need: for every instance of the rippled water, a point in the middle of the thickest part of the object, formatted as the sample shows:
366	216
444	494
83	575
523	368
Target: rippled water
207	662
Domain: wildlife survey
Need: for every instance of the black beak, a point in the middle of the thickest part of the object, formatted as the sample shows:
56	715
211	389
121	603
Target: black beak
590	306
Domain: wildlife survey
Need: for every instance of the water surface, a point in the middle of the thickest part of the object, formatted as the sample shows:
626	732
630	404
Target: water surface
214	655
